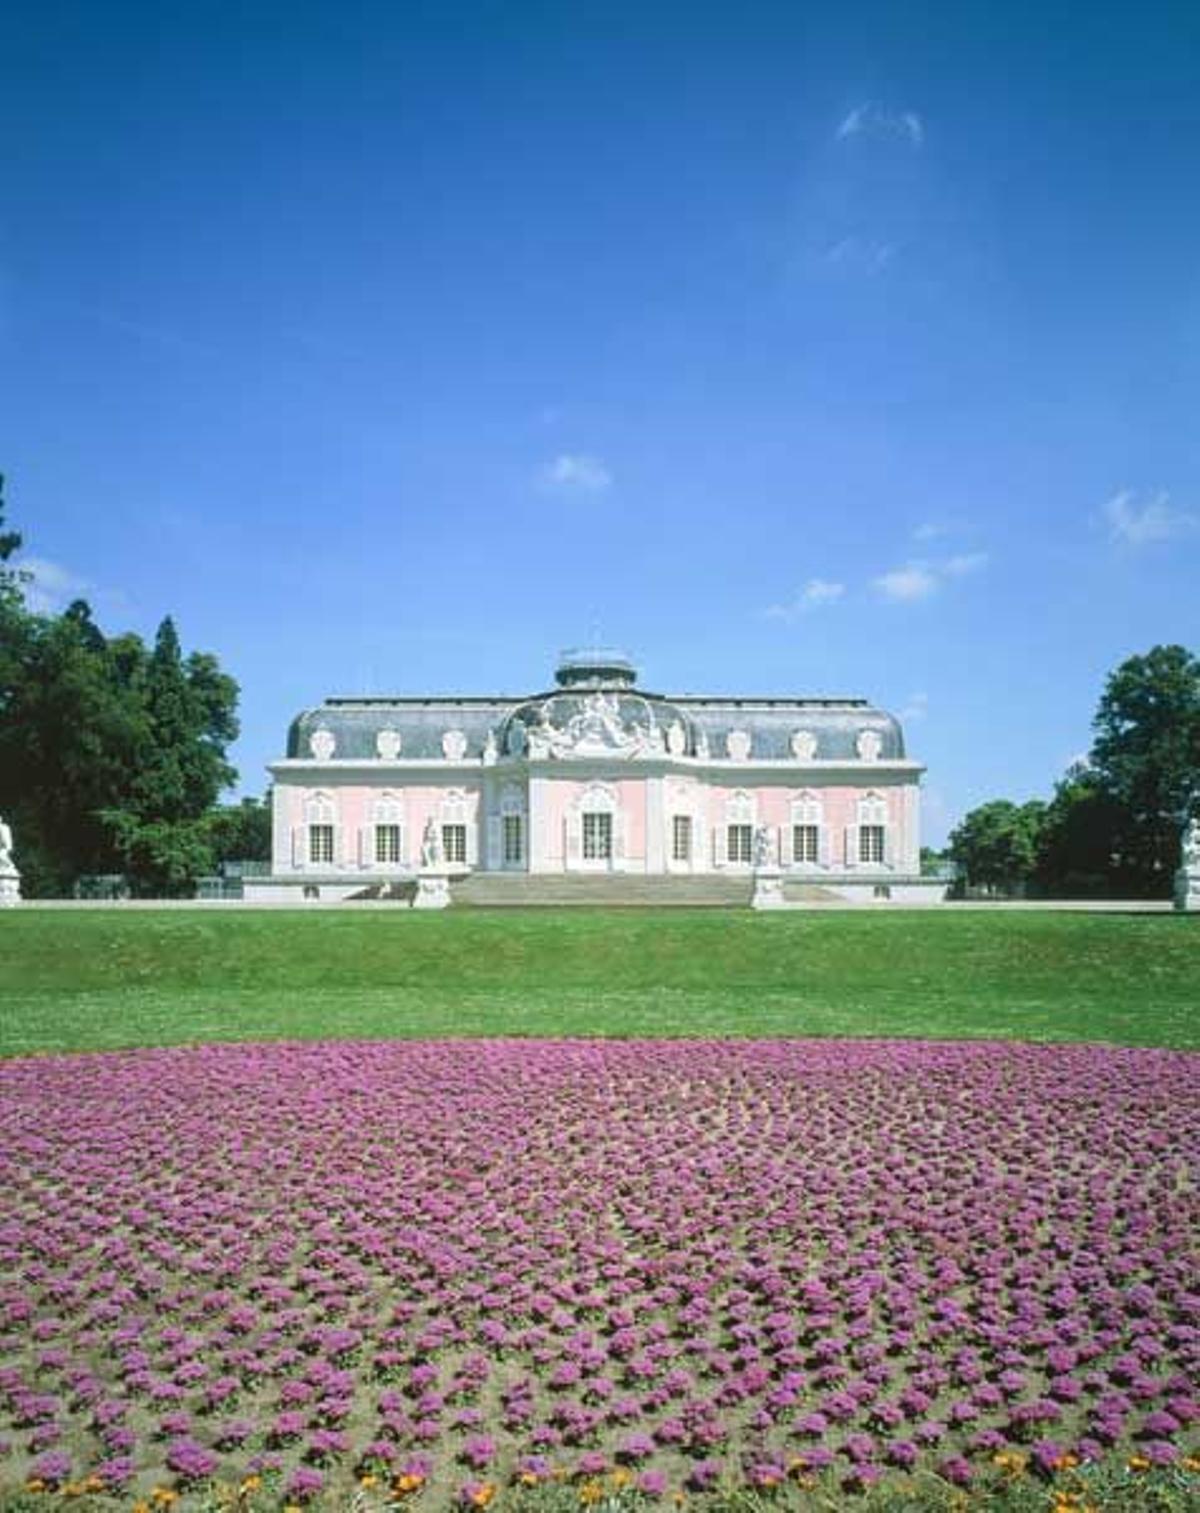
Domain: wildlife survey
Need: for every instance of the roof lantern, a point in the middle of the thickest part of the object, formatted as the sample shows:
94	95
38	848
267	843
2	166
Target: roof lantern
594	667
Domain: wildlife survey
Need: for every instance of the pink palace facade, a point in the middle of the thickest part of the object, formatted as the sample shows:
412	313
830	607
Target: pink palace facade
595	775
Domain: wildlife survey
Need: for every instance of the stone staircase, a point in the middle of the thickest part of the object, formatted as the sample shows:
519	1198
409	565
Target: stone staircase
620	890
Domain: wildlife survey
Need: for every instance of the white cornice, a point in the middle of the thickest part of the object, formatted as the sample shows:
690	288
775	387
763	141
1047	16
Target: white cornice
865	772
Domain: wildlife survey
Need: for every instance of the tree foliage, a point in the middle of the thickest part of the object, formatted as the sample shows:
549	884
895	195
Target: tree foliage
1146	758
112	754
996	845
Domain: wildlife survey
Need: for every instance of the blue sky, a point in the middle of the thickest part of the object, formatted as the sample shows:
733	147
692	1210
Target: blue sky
802	348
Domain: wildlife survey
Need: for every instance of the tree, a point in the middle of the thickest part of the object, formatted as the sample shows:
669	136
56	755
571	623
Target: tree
1146	758
1083	839
242	832
104	746
996	845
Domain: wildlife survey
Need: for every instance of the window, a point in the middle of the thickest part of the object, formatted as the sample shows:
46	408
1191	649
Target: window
387	843
320	843
681	838
454	843
597	837
870	843
513	849
740	843
805	843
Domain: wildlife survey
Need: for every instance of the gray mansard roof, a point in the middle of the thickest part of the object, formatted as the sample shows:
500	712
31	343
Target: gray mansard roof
705	723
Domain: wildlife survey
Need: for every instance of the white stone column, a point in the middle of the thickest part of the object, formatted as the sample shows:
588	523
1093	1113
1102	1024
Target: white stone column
912	828
655	822
539	820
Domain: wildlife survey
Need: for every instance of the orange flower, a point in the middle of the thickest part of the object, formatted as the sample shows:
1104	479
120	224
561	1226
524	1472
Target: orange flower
483	1495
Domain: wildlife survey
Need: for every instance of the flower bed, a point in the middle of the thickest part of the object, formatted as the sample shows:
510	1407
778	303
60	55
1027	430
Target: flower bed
455	1268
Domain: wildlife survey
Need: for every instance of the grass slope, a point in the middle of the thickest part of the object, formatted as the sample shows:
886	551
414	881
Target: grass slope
101	979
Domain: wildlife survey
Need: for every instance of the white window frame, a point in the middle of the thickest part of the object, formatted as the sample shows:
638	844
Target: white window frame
808	815
596	835
320	817
454	843
735	839
597	798
871	814
388	835
512	839
683	828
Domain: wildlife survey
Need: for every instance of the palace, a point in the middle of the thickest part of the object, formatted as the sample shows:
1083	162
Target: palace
594	775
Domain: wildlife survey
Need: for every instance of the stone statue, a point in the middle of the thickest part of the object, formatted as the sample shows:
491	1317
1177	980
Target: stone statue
10	878
763	849
490	751
431	846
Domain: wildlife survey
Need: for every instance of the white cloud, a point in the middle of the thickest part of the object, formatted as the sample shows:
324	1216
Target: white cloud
51	586
967	562
1138	525
860	254
916	708
576	473
873	120
920	580
815	593
906	585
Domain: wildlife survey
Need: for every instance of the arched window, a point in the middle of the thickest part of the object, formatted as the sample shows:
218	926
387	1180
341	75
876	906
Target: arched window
316	843
868	842
741	811
383	841
595	831
809	847
458	832
507	829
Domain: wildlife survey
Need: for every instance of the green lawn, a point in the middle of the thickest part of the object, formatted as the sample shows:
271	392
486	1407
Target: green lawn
97	979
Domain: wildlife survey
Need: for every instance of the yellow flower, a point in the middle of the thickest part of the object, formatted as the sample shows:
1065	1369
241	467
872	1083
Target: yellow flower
35	1484
621	1477
529	1478
368	1482
250	1484
1138	1463
411	1481
1191	1463
483	1495
591	1492
164	1496
141	1506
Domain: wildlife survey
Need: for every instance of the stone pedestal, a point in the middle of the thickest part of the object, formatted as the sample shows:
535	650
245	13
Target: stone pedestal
10	887
1187	890
433	890
768	889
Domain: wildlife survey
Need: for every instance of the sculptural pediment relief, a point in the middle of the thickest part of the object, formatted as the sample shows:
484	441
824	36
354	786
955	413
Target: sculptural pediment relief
387	745
596	727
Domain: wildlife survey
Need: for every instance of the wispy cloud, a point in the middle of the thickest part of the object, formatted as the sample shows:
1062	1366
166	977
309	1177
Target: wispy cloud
575	473
1135	524
966	562
860	254
906	585
816	593
51	587
914	581
916	707
873	120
